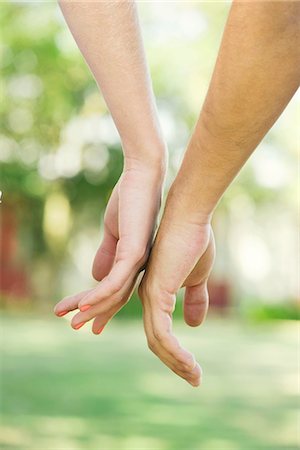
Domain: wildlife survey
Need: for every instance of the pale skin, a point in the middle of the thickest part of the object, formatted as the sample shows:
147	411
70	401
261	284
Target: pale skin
256	74
108	35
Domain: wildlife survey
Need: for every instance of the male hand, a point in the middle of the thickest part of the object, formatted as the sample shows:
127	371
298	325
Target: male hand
256	74
182	255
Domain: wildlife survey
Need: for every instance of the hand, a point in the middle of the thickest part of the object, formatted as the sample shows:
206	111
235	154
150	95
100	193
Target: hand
129	224
182	255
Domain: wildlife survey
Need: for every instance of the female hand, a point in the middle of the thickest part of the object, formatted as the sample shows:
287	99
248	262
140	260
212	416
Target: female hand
129	224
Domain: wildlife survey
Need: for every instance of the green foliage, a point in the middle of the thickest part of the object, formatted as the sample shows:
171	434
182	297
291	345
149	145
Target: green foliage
260	312
50	101
44	85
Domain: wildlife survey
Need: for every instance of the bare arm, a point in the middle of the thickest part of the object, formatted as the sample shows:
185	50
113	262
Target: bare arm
256	74
109	37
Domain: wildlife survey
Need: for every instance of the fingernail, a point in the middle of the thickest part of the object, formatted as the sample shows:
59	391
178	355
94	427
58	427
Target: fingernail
79	325
100	330
62	313
84	308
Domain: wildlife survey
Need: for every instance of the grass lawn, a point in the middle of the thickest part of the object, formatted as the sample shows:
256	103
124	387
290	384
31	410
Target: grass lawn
63	389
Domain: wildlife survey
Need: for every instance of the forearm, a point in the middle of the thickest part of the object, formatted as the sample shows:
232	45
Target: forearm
256	74
108	35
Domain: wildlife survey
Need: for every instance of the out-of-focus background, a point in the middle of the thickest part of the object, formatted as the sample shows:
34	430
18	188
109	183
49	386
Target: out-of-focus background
60	158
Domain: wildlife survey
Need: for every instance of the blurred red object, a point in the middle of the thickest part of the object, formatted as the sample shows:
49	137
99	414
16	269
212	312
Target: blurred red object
13	278
219	294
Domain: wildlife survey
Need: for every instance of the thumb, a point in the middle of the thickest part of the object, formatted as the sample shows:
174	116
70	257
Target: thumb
104	257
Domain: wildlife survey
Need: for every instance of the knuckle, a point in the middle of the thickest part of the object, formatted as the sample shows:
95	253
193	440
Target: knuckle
151	344
117	286
160	336
88	315
121	301
114	285
159	298
114	299
166	304
188	365
185	363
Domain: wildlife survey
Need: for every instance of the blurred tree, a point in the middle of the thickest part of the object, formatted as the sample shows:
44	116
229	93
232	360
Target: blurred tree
60	154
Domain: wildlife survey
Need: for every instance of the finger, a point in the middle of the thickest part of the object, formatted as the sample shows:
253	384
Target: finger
191	372
195	304
158	307
161	340
105	256
113	303
192	377
202	269
69	303
165	342
121	275
97	310
102	319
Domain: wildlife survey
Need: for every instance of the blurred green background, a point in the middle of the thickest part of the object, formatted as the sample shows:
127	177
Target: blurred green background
60	157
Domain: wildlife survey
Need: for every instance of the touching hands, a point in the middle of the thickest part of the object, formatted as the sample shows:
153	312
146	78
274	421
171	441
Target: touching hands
182	255
247	93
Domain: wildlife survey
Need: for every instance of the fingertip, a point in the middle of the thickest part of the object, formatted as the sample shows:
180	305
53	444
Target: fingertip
191	364
99	331
78	325
195	320
195	384
84	307
196	380
59	312
62	313
195	314
196	303
96	275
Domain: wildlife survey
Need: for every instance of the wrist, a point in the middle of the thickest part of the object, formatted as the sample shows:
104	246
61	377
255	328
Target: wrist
152	156
199	183
182	205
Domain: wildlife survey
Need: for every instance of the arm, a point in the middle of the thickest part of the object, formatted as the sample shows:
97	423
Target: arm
108	36
256	74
